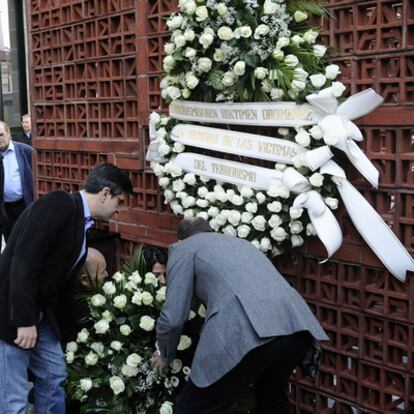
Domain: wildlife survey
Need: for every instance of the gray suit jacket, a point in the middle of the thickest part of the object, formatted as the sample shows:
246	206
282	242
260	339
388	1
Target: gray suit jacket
248	303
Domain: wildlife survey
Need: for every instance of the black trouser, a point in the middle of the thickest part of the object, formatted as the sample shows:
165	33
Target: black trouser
13	211
268	367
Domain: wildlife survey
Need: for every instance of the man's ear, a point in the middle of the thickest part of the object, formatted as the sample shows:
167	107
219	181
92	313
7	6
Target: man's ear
84	279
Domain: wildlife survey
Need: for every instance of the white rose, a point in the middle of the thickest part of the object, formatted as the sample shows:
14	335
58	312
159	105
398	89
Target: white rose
91	359
260	197
83	336
109	288
243	231
146	323
228	79
259	223
125	330
282	42
251	207
295	213
298	85
176	365
273	191
133	360
261	30
260	72
275	221
169	48
225	33
221	9
118	277
296	240
234	217
190	7
316	179
190	52
202	311
229	230
236	200
283	131
296	40
269	7
101	326
166	408
179	42
175	22
204	64
318	80
188	213
129	371
255	243
202	192
161	294
154	118
246	192
218	55
120	301
310	230
206	39
310	36
300	74
247	217
278	54
316	132
178	185
164	149
245	31
274	207
116	384
319	50
70	357
332	202
98	347
338	88
191	80
279	234
178	146
173	92
202	204
332	71
276	94
85	384
221	219
302	138
300	16
201	13
239	68
147	298
164	181
150	279
213	211
185	343
176	208
291	60
189	35
265	244
168	63
158	169
189	202
280	167
71	346
116	345
190	178
295	227
137	298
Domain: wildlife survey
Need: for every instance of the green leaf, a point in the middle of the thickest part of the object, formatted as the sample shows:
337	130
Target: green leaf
215	78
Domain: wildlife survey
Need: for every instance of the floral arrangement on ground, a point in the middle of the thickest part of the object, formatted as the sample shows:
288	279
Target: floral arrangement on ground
109	364
245	51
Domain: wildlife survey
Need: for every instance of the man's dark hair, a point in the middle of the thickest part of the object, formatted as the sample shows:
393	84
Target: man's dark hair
154	255
190	227
108	175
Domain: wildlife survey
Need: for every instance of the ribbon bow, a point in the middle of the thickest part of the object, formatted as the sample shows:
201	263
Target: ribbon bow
339	130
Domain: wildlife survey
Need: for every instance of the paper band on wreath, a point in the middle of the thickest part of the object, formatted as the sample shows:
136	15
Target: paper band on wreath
249	113
379	237
238	143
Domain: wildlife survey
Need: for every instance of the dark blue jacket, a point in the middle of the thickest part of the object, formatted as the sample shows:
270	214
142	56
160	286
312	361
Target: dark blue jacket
24	160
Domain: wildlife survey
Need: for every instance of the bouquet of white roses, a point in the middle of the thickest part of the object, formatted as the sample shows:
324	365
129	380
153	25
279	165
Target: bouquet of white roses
109	364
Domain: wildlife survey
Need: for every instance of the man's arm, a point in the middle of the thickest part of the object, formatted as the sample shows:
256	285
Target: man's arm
42	224
177	306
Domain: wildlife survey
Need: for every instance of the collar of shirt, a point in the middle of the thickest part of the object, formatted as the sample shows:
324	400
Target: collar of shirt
10	148
86	212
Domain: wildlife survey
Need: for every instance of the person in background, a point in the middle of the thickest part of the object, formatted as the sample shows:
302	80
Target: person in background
257	327
44	253
26	136
157	262
16	165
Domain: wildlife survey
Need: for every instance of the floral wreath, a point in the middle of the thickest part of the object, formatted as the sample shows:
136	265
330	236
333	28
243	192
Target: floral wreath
248	57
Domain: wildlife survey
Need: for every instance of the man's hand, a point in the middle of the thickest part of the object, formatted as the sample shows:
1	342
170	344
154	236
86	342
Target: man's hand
158	363
26	337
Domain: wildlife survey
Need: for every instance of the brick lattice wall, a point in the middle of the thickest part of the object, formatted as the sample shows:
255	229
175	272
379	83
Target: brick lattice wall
95	67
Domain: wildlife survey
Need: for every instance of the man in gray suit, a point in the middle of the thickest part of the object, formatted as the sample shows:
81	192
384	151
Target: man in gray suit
257	327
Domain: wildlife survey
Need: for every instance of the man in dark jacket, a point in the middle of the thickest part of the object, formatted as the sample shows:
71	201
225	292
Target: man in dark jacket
17	188
45	251
26	135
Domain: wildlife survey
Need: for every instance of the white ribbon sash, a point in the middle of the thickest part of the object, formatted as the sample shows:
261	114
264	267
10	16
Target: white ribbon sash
250	113
238	143
371	226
